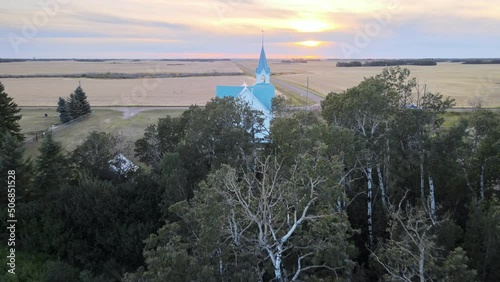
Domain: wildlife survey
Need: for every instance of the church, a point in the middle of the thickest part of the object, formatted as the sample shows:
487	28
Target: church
258	96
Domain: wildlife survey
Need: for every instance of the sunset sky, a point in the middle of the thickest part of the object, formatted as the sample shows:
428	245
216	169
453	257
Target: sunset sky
232	28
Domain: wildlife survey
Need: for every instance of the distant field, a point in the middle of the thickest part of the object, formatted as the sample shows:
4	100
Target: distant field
183	91
109	121
465	83
122	66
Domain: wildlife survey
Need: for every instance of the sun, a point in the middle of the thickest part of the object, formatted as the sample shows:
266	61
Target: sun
310	25
310	43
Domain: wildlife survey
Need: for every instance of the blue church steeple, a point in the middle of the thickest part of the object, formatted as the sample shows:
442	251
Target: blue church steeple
262	72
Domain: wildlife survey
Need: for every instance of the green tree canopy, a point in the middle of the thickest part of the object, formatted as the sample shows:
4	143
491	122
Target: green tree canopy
9	115
51	166
62	108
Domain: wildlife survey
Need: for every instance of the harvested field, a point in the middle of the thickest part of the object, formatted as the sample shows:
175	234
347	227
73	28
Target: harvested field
465	83
41	92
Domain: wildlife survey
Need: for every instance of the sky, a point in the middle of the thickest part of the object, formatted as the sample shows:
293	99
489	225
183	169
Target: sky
155	29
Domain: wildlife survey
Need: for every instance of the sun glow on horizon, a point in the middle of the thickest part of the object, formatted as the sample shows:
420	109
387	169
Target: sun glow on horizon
310	43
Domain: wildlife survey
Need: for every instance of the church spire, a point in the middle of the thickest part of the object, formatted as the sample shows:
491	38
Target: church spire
262	72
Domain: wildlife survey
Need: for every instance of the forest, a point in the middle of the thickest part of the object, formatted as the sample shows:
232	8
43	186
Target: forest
373	187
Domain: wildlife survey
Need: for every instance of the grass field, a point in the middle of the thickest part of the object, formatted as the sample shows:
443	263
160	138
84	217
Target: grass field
121	66
43	92
109	121
465	83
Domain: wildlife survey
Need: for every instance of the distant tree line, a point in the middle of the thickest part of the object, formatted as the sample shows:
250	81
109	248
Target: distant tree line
116	75
481	61
386	63
76	105
300	60
350	64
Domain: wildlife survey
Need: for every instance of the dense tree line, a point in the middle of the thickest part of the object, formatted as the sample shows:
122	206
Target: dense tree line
368	189
386	63
480	61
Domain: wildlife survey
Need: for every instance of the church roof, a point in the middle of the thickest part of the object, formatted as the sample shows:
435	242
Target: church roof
263	92
262	63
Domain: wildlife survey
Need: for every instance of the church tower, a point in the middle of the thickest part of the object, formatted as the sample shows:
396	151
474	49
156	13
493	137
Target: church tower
262	72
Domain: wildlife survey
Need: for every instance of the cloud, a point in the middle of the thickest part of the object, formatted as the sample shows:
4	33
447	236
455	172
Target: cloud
234	26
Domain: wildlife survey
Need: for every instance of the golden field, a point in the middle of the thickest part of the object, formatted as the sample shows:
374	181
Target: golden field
118	66
184	91
465	83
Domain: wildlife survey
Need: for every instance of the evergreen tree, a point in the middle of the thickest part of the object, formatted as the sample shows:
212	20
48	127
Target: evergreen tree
62	108
78	104
50	166
81	97
9	115
11	158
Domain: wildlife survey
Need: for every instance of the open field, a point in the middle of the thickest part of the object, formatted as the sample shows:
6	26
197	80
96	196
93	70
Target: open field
184	91
465	83
109	121
119	66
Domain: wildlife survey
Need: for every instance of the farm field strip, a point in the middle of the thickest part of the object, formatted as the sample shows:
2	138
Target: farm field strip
125	66
184	91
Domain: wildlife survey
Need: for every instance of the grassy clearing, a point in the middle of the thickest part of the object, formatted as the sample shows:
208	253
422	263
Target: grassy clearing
34	120
452	118
109	121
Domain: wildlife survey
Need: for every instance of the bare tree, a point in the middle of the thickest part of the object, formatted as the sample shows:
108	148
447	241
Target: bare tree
410	251
268	210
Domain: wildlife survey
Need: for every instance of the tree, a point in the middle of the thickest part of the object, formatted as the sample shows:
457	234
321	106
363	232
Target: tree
484	149
410	252
12	158
456	268
51	167
159	139
62	108
277	222
482	239
365	109
9	115
94	155
78	104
